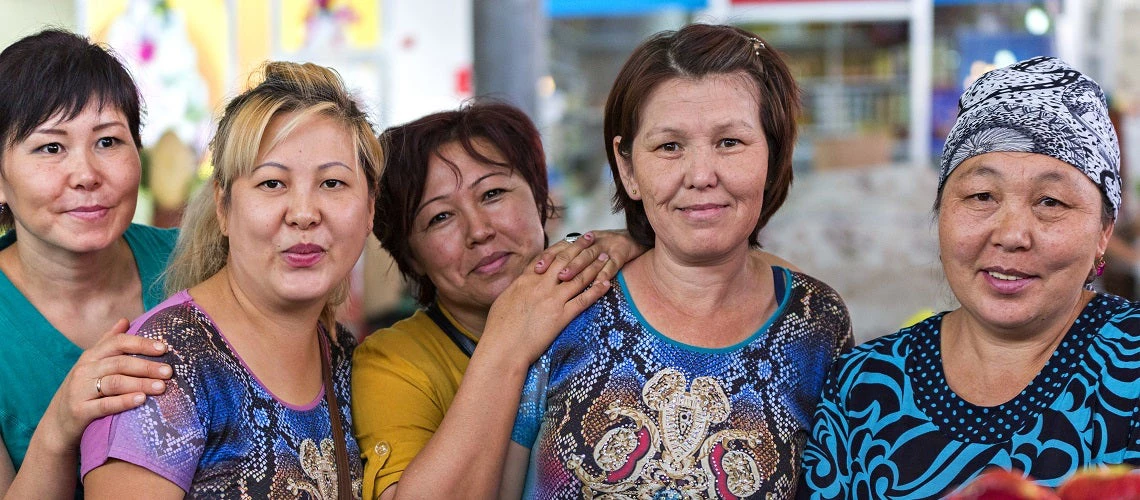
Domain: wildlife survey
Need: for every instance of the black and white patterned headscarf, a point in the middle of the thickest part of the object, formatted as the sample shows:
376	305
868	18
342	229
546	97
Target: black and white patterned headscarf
1040	105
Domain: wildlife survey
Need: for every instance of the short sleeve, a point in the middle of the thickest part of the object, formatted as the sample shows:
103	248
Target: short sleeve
165	435
532	404
395	409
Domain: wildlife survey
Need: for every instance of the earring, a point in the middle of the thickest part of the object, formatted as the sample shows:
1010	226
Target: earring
3	206
634	191
1100	265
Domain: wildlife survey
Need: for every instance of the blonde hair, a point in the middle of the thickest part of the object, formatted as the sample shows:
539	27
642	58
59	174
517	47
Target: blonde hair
284	87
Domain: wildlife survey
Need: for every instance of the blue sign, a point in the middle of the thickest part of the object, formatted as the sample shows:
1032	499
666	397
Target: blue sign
608	8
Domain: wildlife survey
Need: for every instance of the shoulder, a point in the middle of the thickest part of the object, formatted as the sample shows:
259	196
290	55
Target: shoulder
152	239
888	350
344	344
819	305
175	321
413	336
1122	315
804	284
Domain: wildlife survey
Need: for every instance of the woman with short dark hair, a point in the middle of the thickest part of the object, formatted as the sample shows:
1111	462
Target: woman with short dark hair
462	205
695	375
71	262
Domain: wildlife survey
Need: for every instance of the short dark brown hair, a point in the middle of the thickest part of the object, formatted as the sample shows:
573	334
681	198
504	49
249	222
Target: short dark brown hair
696	51
57	72
409	149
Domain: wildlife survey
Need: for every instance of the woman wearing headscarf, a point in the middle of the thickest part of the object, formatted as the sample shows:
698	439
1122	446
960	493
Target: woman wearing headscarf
1033	371
258	406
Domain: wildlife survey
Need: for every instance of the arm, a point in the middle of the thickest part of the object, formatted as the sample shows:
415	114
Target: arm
117	479
572	258
514	472
465	457
395	403
49	467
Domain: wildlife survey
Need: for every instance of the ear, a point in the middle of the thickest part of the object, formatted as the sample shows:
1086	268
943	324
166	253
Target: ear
625	170
1105	236
219	209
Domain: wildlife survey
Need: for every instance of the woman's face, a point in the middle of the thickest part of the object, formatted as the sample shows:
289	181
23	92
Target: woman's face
297	224
476	229
699	162
72	184
1018	234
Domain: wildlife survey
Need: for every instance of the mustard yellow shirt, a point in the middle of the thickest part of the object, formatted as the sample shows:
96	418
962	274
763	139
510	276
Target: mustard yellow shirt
403	381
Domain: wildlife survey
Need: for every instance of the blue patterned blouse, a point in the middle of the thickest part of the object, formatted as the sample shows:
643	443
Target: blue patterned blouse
889	426
616	407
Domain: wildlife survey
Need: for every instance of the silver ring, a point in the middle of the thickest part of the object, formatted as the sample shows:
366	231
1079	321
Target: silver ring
99	387
572	237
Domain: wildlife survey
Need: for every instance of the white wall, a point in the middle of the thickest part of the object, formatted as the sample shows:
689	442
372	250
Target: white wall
24	17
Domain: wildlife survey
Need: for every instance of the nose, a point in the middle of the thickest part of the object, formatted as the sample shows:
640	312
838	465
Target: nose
303	211
1013	228
479	229
701	173
85	174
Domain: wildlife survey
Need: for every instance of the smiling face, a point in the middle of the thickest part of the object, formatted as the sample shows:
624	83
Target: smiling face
72	184
1018	234
297	224
475	230
698	164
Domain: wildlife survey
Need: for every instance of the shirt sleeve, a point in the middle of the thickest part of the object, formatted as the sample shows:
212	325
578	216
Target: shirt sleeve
395	411
532	405
165	435
825	471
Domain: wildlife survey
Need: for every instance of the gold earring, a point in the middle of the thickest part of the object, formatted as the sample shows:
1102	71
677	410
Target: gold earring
635	191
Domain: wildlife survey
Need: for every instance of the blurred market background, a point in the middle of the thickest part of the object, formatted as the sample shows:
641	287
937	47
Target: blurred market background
880	81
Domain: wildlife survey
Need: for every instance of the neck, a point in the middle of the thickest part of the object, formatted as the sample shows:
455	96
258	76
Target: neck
973	349
697	287
274	327
71	277
471	318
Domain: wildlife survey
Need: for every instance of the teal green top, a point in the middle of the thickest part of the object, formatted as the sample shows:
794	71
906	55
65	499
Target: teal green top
35	357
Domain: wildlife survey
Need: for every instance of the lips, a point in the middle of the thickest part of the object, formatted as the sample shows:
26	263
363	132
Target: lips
1006	281
491	263
304	255
88	212
702	211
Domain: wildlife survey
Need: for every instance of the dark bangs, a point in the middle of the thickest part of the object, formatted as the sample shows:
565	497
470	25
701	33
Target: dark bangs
55	72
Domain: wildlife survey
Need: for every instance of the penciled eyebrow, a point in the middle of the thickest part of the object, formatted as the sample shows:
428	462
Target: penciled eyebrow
97	128
322	166
470	186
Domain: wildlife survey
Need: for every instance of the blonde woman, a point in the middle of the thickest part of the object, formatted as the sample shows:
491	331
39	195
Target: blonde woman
258	405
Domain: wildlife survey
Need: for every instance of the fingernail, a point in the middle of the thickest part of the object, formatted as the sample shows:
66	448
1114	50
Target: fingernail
606	283
540	263
159	346
138	399
156	385
589	236
603	257
164	371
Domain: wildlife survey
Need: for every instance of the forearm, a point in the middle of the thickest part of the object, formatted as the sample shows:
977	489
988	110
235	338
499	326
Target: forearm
464	459
50	467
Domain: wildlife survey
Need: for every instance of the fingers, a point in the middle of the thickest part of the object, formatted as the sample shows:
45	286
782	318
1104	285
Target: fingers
111	405
116	341
118	385
563	252
584	300
584	279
